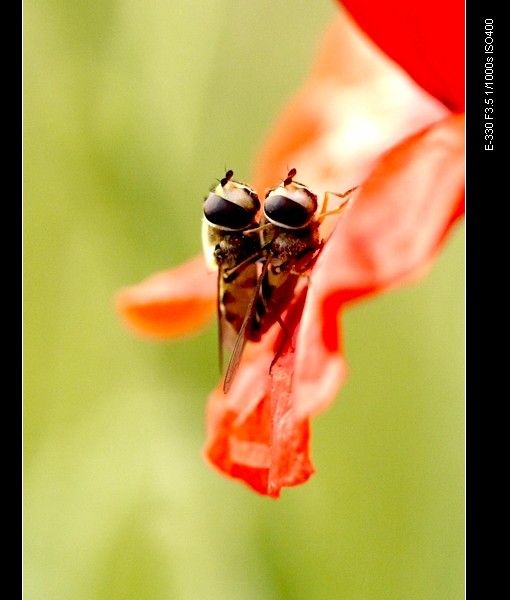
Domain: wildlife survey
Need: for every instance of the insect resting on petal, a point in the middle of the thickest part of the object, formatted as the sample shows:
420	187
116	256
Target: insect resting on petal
251	297
229	210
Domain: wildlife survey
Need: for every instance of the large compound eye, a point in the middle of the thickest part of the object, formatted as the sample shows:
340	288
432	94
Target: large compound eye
291	204
282	210
227	214
232	205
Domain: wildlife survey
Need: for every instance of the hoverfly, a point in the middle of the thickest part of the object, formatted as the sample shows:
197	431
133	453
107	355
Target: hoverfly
229	210
290	243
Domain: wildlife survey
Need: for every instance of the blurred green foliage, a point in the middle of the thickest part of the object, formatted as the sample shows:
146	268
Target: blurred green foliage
132	109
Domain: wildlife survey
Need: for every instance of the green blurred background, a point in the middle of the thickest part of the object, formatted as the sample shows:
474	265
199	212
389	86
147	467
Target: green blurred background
131	110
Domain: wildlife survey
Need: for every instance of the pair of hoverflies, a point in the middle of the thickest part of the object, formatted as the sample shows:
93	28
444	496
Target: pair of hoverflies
260	255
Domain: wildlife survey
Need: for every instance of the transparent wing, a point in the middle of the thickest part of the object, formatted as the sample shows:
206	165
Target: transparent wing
226	332
244	332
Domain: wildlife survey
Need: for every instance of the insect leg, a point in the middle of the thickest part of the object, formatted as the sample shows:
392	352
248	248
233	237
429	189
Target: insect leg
335	211
247	261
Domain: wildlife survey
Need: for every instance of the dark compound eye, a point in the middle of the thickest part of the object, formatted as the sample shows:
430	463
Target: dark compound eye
223	213
231	205
291	204
287	212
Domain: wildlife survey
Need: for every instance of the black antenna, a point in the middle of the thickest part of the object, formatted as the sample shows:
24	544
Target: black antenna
290	176
228	176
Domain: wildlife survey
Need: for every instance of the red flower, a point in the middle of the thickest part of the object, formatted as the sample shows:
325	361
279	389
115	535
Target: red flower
358	120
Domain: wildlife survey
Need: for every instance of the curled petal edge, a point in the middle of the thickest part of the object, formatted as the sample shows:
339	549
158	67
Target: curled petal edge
170	304
389	237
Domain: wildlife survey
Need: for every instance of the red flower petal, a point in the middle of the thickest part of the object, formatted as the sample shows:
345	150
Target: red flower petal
389	235
355	105
427	40
172	303
254	432
402	213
